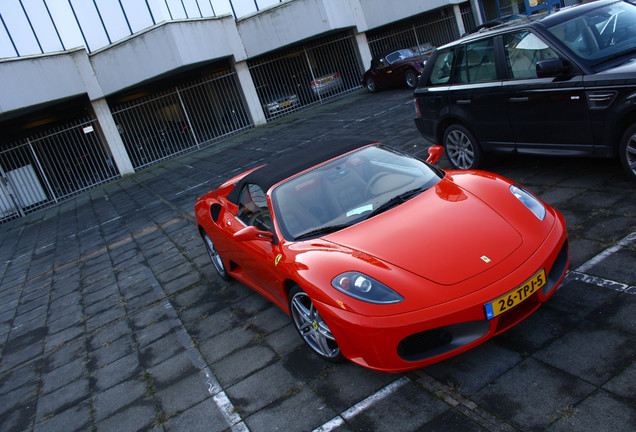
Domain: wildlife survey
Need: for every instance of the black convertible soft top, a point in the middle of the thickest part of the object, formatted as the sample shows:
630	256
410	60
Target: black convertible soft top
296	161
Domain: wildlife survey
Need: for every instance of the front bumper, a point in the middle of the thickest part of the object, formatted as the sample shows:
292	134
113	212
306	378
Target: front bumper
416	339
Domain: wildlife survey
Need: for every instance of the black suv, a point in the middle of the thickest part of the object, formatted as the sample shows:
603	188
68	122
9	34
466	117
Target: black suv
562	83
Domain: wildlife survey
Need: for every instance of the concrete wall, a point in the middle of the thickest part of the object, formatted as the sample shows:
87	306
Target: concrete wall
36	80
164	48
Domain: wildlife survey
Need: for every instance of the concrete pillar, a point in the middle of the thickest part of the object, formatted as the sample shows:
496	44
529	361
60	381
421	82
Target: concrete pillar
475	5
458	18
249	91
111	134
364	50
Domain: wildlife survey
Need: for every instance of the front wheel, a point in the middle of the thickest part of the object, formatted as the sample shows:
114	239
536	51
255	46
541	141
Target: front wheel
370	83
410	79
311	326
628	152
215	258
462	149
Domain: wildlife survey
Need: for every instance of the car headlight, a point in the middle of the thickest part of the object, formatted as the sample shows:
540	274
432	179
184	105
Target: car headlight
365	288
529	200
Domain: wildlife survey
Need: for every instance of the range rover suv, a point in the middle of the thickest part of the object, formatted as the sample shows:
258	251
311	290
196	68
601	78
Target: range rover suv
562	83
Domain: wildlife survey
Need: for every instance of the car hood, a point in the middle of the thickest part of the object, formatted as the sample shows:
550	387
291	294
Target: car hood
446	235
625	70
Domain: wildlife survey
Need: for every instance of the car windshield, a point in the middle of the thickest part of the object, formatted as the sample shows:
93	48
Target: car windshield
602	34
399	55
349	189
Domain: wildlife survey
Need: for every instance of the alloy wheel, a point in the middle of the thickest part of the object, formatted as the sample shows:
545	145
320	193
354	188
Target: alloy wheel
312	328
215	257
630	154
460	149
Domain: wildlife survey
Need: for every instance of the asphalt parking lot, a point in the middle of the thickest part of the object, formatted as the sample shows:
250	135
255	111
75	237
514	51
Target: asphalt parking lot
113	319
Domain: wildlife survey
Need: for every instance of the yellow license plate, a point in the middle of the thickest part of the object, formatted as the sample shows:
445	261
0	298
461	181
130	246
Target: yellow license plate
516	296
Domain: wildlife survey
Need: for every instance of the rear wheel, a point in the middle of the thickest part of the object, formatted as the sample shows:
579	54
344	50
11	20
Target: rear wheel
410	79
628	151
462	149
370	83
311	326
215	257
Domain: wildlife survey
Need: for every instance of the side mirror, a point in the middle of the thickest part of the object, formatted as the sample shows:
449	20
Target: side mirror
253	233
552	68
434	153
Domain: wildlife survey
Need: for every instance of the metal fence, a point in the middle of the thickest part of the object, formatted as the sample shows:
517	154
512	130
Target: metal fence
54	165
306	74
422	35
182	118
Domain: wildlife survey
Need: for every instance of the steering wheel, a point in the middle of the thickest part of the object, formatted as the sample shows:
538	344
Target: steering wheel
262	221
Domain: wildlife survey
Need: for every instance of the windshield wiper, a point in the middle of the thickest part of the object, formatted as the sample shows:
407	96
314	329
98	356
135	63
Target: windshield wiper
396	200
321	231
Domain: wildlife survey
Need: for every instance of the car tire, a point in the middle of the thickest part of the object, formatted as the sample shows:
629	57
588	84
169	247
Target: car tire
370	84
628	151
215	257
410	79
312	327
462	148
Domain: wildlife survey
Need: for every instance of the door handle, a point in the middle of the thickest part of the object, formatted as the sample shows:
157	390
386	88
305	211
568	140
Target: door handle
463	101
519	99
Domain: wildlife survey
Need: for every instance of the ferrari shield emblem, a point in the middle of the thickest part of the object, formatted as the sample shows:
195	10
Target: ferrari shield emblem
485	259
277	260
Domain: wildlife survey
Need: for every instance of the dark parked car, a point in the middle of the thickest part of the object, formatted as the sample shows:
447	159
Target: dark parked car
562	84
394	68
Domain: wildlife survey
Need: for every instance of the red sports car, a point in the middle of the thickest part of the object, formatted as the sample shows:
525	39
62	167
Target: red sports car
382	258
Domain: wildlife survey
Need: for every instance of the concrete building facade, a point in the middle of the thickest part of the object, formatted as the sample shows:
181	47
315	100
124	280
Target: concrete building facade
35	90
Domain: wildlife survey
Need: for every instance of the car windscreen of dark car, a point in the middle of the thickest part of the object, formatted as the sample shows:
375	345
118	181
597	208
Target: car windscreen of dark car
349	189
399	55
601	34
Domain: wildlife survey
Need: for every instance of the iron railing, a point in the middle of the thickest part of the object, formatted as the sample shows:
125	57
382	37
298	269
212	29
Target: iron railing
306	74
54	165
182	118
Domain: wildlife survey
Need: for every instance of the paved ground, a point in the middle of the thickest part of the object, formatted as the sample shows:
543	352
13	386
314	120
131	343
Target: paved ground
112	318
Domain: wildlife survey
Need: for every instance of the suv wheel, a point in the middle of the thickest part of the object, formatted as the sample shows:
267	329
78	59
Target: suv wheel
628	151
410	79
462	149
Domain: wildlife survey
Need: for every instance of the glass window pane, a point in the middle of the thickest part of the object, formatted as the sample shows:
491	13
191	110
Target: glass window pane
523	51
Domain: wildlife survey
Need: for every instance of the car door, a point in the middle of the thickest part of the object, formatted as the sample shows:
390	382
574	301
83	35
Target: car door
546	114
383	73
256	259
476	96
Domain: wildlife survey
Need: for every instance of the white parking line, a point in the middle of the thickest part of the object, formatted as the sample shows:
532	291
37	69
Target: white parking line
361	406
220	398
600	282
625	242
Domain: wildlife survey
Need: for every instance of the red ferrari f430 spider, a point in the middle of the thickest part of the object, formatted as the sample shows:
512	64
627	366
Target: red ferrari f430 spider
382	258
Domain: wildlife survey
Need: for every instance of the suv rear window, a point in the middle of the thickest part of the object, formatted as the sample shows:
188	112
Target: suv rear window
440	74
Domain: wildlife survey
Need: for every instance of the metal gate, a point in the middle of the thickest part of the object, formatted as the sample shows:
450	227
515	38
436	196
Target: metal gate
422	35
181	118
59	163
307	74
